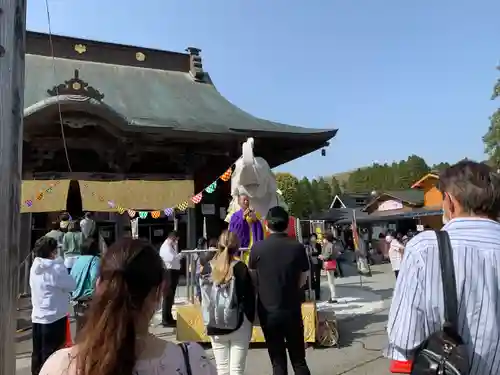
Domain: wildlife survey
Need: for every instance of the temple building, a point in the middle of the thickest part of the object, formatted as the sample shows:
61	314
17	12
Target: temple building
142	128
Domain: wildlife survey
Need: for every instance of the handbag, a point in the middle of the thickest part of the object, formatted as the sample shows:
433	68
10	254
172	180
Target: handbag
444	352
185	355
330	265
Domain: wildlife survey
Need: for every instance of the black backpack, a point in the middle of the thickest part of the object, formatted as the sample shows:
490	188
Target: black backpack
444	352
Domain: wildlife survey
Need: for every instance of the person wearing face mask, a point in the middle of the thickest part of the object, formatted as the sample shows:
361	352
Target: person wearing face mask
115	339
396	249
471	206
172	258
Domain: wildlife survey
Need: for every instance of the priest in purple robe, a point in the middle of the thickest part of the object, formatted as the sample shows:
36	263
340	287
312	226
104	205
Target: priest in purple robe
247	225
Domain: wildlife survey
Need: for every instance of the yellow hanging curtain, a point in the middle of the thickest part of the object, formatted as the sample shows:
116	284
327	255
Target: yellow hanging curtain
44	195
135	194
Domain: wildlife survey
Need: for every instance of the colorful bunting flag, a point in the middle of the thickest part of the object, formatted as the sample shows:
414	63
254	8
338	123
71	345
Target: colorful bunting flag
211	188
182	206
197	198
227	175
144	214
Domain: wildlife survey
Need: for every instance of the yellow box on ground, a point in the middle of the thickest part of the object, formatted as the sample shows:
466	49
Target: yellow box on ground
190	325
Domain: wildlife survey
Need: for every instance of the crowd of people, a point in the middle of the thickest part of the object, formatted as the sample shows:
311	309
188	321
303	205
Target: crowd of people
116	292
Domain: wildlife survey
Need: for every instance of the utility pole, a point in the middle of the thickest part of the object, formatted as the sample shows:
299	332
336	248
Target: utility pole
12	51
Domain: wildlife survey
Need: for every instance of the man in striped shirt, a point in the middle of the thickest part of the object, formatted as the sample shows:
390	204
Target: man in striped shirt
471	204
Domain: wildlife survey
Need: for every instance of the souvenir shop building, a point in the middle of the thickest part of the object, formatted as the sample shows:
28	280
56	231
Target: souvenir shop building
111	126
413	209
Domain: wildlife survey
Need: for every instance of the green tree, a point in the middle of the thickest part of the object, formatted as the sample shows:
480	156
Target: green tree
336	190
324	194
304	206
439	167
359	180
288	184
492	138
412	170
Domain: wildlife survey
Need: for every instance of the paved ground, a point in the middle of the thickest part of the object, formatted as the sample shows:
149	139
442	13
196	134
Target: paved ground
362	313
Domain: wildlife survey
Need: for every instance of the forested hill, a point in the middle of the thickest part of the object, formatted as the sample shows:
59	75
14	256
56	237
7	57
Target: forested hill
307	196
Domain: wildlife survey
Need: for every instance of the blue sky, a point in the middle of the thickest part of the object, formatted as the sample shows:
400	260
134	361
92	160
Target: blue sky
396	77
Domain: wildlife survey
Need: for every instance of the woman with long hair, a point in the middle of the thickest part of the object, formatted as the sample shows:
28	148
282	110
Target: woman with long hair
230	346
115	339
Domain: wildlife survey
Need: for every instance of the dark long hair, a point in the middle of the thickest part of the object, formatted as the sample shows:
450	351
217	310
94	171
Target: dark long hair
130	271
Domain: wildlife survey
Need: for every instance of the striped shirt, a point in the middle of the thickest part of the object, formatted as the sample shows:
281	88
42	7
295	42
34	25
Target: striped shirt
417	308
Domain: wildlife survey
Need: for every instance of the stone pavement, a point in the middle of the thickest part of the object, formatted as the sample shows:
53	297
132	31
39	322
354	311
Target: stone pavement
362	313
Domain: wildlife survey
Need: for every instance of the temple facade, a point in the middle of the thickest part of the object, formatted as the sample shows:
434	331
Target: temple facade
142	128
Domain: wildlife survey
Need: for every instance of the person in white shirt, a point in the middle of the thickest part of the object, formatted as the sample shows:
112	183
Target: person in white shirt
172	258
87	225
396	250
51	286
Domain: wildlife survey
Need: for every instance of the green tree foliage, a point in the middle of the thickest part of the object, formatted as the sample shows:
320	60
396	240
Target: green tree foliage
288	184
305	197
384	177
304	206
492	138
336	189
439	167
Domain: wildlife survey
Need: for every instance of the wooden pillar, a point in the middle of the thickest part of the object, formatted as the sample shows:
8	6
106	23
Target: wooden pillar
191	228
24	253
12	51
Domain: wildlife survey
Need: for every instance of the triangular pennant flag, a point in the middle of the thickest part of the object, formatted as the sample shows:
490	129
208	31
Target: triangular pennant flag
197	198
168	211
143	214
121	210
155	214
182	206
211	188
131	213
227	175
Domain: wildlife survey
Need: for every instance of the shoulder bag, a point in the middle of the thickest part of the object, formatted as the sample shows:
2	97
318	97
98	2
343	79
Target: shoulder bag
444	353
187	362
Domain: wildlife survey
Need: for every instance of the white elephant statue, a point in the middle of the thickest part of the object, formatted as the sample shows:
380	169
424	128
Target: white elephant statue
252	177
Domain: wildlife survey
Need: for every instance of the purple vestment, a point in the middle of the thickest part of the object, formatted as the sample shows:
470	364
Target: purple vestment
241	228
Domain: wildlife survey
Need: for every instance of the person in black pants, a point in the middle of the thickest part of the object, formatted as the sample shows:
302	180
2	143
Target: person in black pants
172	258
315	266
280	267
50	289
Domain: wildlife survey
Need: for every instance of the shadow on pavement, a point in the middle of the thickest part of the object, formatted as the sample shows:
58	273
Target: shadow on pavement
356	329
